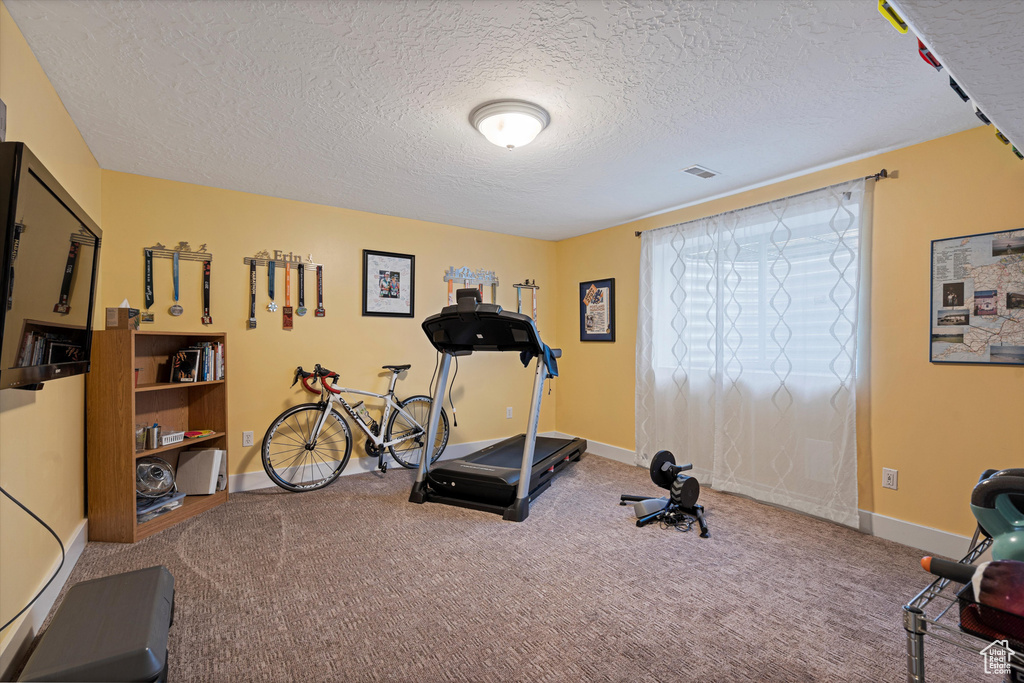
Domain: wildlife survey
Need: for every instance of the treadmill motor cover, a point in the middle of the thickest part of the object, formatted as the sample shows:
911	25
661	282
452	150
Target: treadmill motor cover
491	475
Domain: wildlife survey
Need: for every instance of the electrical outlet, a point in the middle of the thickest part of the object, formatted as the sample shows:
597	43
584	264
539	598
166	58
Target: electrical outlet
508	413
889	478
246	438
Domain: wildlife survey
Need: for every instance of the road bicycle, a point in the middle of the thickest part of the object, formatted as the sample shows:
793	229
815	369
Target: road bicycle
308	445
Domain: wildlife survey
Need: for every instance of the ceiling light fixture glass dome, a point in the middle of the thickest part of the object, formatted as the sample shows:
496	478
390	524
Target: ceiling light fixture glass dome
509	123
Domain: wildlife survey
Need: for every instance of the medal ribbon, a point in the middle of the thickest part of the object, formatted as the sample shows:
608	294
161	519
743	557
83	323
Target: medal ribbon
270	278
207	320
65	286
302	286
252	294
320	312
149	279
286	311
176	269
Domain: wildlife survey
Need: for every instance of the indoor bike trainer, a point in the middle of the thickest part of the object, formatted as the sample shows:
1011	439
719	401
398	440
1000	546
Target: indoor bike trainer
680	509
504	477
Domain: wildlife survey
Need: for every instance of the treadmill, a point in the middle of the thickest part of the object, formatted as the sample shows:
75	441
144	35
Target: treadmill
504	477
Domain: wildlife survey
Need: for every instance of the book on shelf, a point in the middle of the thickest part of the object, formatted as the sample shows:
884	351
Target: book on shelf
202	362
185	365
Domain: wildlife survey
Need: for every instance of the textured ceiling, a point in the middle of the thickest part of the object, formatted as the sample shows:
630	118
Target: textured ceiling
981	44
364	104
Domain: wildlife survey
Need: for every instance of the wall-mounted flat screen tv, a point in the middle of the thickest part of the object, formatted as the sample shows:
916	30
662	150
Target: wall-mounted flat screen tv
49	260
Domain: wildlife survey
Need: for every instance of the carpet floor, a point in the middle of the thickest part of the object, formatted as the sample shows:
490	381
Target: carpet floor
354	583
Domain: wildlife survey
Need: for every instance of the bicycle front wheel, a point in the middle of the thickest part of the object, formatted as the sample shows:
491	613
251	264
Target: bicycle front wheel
294	460
409	452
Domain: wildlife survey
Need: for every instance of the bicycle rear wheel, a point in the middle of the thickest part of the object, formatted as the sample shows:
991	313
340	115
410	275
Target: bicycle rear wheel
408	453
293	461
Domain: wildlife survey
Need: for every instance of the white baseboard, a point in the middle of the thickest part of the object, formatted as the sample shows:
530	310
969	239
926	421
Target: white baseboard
251	481
906	533
616	453
33	619
917	536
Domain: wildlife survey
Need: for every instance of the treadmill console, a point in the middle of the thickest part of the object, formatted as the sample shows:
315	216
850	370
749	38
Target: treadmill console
473	326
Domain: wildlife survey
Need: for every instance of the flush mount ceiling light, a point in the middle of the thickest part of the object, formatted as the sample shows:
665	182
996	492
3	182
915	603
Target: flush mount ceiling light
509	123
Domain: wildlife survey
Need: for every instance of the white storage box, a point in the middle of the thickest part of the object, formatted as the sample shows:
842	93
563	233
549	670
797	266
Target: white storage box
171	437
202	472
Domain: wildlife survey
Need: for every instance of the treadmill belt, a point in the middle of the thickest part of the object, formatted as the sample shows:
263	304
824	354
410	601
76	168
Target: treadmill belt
509	453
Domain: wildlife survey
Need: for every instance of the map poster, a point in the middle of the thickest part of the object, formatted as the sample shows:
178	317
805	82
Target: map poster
977	299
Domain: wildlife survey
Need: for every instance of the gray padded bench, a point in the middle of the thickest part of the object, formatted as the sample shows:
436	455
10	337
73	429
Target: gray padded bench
109	629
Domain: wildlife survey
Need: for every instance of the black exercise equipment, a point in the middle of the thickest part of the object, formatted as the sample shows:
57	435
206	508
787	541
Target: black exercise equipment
109	629
998	504
680	507
504	477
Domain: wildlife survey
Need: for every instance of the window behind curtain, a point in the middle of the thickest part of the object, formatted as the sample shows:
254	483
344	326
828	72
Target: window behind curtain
747	348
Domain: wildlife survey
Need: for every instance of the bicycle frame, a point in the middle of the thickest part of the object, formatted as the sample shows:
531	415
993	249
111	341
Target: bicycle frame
334	395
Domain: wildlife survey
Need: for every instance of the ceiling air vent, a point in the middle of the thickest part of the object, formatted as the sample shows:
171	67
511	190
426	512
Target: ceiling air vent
700	171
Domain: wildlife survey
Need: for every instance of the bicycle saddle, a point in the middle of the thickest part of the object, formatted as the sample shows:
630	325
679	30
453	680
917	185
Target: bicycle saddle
395	368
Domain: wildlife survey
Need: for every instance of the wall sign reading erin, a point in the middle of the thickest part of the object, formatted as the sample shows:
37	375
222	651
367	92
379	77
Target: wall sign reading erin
977	299
597	310
389	284
287	262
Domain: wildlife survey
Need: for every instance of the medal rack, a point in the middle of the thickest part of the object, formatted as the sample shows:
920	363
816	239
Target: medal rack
467	277
183	250
533	287
262	258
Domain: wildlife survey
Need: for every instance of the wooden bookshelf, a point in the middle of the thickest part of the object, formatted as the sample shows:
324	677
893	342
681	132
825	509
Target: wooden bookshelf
116	401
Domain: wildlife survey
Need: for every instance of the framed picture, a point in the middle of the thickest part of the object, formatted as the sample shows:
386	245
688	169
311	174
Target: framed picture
389	284
977	299
597	310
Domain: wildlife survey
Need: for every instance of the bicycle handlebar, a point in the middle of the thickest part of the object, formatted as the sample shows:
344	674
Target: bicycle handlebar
319	373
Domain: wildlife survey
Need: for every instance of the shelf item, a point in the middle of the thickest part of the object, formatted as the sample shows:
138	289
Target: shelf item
171	438
201	471
115	405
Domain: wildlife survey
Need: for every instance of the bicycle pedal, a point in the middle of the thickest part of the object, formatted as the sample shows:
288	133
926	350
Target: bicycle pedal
383	467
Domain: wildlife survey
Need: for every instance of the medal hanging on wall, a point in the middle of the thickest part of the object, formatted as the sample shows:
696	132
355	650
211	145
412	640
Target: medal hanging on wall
147	315
320	312
207	318
272	306
176	309
62	305
286	312
252	294
301	310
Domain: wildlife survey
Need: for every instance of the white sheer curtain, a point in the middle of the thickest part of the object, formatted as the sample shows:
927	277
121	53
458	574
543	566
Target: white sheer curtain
747	348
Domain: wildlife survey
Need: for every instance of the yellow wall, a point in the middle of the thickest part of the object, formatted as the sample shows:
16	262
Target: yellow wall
141	211
962	184
40	464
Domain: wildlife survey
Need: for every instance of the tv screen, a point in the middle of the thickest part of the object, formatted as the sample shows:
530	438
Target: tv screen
50	256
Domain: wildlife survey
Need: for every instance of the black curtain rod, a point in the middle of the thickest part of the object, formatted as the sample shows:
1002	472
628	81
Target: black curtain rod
881	175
